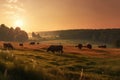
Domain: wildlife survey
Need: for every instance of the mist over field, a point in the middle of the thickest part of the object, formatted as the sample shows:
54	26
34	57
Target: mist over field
59	39
85	54
109	37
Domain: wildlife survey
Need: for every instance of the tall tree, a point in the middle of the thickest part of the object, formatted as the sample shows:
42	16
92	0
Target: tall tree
11	34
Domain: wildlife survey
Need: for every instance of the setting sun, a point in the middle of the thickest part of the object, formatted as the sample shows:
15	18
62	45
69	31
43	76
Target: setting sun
19	23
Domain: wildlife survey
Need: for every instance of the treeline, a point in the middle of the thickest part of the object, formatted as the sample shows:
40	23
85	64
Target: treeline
36	35
11	34
108	36
103	35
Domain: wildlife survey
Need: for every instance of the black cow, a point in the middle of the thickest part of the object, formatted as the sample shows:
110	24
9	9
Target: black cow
89	46
102	46
8	46
32	43
20	44
80	46
55	48
38	43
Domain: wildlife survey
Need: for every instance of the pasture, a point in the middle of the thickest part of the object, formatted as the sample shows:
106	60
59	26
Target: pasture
32	62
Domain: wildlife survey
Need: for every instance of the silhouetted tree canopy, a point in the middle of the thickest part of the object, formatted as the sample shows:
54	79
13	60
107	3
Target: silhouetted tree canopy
11	34
35	35
100	35
118	44
105	36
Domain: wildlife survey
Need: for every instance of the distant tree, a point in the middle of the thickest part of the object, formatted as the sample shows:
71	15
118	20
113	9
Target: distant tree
21	36
3	32
17	29
34	35
38	35
11	34
117	43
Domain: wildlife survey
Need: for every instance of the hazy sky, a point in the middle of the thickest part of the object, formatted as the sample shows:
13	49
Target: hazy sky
44	15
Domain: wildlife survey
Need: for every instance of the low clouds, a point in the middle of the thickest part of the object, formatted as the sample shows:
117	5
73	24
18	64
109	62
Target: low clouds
11	1
59	13
13	9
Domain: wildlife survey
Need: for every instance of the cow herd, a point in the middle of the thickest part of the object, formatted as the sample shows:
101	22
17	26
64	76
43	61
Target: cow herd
80	46
52	48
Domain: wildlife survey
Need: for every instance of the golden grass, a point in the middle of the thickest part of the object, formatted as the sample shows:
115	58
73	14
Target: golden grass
32	62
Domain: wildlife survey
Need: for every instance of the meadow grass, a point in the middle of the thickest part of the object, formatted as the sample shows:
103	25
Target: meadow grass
37	65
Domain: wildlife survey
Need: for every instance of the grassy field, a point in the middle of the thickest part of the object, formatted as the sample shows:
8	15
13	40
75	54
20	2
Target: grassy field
34	63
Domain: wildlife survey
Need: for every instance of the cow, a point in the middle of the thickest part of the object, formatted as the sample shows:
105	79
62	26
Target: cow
8	46
32	43
80	46
38	43
89	46
20	44
102	46
55	48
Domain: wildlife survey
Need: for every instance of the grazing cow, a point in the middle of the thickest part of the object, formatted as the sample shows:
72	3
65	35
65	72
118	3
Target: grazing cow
55	48
102	46
20	44
32	43
8	46
89	46
80	46
38	43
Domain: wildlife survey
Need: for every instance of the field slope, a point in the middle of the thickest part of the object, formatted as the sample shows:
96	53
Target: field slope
73	64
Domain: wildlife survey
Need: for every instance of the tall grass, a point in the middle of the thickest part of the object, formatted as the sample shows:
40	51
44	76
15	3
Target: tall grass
35	65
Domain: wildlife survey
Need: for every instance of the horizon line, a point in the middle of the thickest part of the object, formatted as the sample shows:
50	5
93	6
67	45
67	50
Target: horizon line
73	29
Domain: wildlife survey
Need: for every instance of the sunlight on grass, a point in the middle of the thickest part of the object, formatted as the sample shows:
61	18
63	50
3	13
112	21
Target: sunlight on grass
35	65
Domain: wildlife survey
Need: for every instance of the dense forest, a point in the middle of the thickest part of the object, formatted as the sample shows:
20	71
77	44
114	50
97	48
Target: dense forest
11	34
108	36
101	35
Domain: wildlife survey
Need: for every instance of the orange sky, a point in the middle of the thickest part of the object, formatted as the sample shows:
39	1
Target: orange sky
45	15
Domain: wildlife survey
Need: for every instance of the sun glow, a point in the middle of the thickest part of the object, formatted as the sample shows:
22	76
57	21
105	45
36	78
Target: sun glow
19	23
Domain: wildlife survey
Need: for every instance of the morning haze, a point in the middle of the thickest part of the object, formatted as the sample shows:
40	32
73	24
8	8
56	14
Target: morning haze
59	40
46	15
